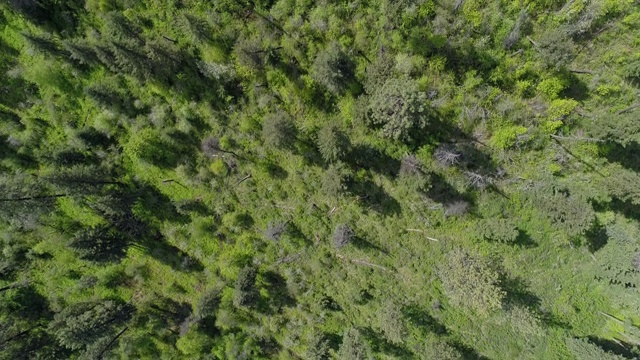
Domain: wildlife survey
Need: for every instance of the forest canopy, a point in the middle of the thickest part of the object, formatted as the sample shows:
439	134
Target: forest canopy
290	179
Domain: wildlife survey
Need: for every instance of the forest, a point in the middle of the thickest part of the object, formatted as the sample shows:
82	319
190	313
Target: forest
315	180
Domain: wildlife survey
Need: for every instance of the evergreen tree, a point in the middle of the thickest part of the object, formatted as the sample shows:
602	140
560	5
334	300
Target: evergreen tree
317	347
279	131
392	323
83	325
470	281
400	109
334	180
245	293
333	143
100	244
583	349
354	346
333	69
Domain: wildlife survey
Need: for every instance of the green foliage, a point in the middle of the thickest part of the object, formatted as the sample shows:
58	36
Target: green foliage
333	69
400	109
506	137
583	349
333	143
245	292
500	230
354	346
550	88
83	325
471	282
279	131
151	153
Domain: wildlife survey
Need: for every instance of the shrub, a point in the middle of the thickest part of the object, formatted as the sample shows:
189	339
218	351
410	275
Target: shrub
550	88
501	230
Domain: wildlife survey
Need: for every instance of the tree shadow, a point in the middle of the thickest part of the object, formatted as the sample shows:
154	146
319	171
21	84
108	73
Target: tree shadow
185	207
596	237
11	153
468	353
628	156
278	293
517	293
156	205
422	319
524	240
442	192
626	208
276	171
362	243
577	89
617	347
295	233
363	156
333	340
170	255
380	344
373	196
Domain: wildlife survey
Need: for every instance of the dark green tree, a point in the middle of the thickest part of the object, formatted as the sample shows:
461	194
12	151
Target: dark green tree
84	325
334	180
500	230
583	349
471	282
44	44
435	348
332	142
81	52
317	347
354	346
100	244
208	304
400	109
556	48
245	292
392	324
333	69
279	131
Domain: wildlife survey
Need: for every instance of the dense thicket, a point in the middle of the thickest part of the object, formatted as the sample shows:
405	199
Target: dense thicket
287	179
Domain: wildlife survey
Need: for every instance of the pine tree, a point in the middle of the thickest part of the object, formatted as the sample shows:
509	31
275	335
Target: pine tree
354	346
471	282
84	324
279	131
333	69
332	142
99	244
245	293
400	109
